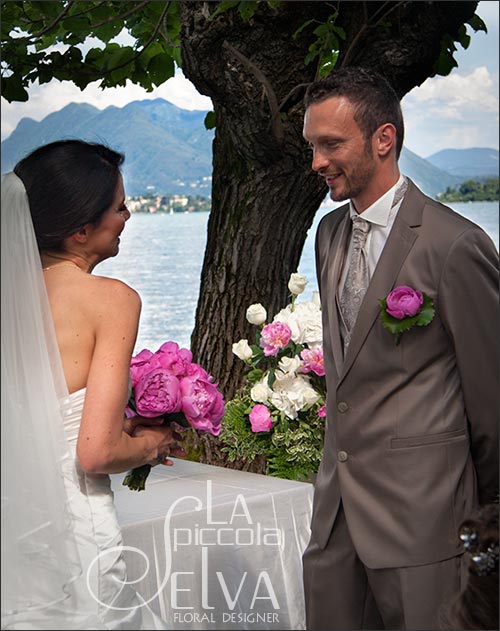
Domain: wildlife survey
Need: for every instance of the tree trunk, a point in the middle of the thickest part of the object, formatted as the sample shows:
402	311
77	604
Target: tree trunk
264	194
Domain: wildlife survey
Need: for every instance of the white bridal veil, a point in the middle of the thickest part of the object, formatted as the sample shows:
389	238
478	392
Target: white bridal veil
39	556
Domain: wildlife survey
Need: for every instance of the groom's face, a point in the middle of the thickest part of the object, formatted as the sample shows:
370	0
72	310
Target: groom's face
340	152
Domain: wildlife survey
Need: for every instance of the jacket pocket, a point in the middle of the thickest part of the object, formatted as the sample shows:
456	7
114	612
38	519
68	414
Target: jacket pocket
429	439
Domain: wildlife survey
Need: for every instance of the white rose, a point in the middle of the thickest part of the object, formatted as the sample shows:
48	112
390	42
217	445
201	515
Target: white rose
289	364
242	350
256	314
297	284
261	392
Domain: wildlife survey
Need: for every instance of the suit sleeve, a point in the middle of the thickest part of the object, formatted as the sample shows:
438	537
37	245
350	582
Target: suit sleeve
468	305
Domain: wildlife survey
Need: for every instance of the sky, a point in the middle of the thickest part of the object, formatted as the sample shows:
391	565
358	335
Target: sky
457	111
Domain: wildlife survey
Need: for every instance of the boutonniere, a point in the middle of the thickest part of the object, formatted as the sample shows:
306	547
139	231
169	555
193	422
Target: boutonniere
405	308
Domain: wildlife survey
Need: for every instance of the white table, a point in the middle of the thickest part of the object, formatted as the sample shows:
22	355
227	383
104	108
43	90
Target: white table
224	546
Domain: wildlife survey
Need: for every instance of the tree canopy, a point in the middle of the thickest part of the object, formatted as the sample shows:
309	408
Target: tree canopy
43	40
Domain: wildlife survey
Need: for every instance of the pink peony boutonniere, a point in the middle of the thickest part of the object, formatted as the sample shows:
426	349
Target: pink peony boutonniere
405	308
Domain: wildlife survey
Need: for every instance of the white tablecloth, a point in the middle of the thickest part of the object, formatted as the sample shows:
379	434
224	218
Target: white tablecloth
224	547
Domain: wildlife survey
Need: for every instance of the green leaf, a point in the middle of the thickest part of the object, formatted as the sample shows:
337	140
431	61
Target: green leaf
80	23
462	37
255	375
13	89
426	313
161	68
321	30
247	9
256	350
223	7
107	31
477	23
48	9
444	64
210	124
271	378
304	26
340	31
310	57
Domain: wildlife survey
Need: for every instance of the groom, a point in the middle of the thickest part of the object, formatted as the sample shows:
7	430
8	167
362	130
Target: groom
411	445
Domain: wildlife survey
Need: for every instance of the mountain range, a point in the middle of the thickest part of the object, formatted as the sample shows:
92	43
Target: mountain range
169	151
467	163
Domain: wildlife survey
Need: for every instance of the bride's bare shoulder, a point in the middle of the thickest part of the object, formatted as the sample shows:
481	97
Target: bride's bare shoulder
111	295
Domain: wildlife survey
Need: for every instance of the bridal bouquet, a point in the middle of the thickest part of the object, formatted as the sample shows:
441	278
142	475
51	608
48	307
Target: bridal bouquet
168	383
279	412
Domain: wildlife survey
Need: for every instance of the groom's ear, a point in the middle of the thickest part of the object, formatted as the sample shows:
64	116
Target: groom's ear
385	139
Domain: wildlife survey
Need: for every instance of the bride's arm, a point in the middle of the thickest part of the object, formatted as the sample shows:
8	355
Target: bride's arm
103	445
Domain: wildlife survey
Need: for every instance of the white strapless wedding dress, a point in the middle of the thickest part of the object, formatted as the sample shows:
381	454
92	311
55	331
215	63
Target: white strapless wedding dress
100	598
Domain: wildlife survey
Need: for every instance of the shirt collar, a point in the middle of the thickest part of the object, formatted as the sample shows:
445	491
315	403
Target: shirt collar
380	211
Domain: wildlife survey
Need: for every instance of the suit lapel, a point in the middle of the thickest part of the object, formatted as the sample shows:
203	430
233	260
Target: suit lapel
397	247
337	252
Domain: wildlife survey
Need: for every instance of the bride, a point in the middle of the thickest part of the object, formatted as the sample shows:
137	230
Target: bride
67	340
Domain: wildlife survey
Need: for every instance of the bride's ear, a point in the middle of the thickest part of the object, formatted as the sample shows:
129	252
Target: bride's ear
82	235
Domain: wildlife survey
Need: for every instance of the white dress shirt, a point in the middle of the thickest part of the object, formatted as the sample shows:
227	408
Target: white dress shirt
381	215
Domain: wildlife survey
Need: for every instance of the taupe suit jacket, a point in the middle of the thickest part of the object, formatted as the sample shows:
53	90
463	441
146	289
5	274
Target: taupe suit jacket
411	444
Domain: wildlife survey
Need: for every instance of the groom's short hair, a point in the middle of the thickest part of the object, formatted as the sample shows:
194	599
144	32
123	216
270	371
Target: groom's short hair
374	99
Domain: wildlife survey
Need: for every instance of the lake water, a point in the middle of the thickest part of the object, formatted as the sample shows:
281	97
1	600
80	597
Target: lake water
161	257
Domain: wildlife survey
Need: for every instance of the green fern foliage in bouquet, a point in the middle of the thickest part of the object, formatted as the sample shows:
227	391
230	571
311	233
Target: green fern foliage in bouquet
279	413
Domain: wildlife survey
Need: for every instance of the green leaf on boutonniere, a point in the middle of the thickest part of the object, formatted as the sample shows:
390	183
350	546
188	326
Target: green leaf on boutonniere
426	313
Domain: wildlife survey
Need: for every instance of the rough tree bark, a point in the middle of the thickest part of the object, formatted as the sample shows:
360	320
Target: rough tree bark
264	194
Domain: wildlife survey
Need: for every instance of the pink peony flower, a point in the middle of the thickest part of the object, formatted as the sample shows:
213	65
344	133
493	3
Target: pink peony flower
139	365
322	411
157	393
174	359
404	302
275	336
260	418
202	403
312	360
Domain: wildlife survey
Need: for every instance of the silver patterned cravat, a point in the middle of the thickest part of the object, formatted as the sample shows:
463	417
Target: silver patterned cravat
357	279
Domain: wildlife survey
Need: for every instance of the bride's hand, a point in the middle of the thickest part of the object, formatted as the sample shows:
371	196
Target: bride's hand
168	444
131	424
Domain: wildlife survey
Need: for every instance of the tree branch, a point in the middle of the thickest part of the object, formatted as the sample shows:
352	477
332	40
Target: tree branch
276	123
366	26
297	91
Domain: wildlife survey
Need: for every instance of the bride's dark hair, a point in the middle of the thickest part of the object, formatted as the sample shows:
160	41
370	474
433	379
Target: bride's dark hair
69	183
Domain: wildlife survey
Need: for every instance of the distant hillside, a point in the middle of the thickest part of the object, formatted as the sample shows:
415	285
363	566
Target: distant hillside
168	150
425	175
476	162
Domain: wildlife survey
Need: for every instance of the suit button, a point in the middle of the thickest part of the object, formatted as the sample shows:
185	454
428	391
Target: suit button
342	456
342	407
